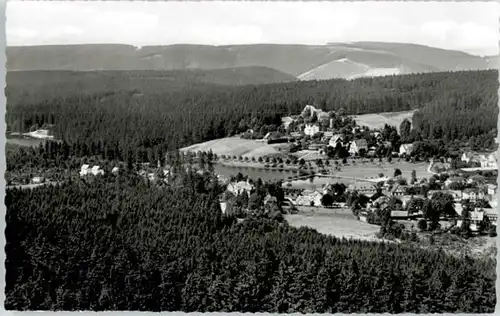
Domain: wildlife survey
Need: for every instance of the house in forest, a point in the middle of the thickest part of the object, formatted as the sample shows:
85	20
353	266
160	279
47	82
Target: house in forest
358	145
237	188
84	170
96	170
37	180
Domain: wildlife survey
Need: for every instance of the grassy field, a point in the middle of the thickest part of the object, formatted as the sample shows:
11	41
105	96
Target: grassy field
372	170
341	223
364	171
236	146
335	222
377	120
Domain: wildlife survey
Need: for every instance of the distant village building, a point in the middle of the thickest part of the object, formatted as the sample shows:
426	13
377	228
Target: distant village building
96	170
378	136
398	190
365	188
472	195
358	145
405	149
485	160
86	170
237	188
337	138
327	135
406	199
492	189
40	134
311	129
309	196
37	180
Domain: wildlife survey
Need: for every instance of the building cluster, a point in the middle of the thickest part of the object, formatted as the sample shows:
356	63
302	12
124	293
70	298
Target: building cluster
86	170
316	130
481	160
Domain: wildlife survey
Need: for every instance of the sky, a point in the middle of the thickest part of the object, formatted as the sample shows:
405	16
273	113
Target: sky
467	26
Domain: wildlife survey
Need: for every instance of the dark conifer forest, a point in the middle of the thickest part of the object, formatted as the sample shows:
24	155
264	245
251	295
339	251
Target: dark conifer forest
136	113
118	243
122	243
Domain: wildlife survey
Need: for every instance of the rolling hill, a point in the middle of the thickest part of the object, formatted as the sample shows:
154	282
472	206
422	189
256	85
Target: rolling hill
306	62
27	84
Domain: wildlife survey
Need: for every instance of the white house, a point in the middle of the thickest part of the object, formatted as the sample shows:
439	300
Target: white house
337	138
311	129
84	170
492	189
239	187
37	180
358	145
488	161
308	197
405	149
223	206
472	195
96	170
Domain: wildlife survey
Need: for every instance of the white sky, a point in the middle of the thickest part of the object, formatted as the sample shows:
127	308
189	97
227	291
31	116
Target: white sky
467	26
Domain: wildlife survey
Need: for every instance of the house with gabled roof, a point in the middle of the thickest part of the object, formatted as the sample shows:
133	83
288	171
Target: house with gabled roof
358	145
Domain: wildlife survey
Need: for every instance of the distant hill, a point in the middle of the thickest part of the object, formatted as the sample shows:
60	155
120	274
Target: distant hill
52	83
307	62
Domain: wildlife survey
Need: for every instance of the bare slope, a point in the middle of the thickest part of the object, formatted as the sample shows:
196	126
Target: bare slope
234	146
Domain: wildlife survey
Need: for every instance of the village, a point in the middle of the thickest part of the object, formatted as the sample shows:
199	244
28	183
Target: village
321	144
334	164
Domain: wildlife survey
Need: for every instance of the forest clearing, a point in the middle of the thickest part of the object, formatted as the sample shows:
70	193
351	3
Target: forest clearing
378	120
340	223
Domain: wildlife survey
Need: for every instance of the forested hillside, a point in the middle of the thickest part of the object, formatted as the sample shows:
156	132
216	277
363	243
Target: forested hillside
308	61
119	243
145	117
32	86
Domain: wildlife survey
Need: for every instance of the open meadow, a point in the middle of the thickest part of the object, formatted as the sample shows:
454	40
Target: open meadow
378	120
340	223
236	146
369	170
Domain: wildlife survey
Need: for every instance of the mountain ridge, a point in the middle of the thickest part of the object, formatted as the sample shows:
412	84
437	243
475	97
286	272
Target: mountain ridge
298	60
